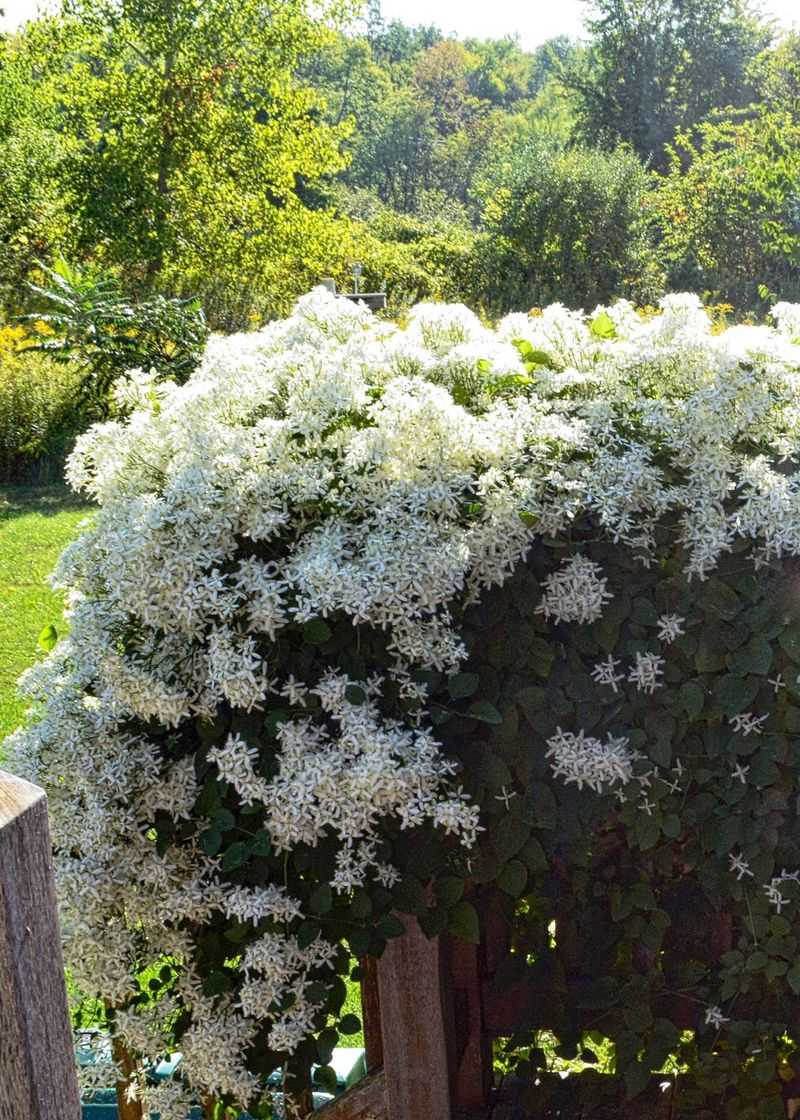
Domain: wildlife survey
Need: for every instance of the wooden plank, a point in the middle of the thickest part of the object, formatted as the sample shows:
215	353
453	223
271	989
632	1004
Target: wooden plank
365	1101
37	1059
414	1027
371	1013
471	1052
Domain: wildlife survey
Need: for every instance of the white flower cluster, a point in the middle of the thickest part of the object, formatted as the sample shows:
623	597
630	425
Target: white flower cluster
588	761
333	465
575	592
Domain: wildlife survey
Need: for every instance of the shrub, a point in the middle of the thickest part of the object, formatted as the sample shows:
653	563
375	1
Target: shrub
91	323
729	209
39	417
264	734
571	225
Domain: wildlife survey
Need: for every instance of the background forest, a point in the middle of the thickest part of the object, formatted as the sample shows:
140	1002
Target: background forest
168	168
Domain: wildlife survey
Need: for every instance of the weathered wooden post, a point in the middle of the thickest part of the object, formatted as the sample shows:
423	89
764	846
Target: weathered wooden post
415	1027
37	1061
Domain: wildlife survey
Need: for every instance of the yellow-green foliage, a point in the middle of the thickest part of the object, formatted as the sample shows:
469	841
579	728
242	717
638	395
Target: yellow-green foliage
38	416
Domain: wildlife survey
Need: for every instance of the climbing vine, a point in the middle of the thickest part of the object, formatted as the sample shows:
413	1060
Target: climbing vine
375	619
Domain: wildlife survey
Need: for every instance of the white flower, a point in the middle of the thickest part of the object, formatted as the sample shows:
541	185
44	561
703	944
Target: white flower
670	627
715	1018
647	672
740	866
588	761
574	593
604	672
747	724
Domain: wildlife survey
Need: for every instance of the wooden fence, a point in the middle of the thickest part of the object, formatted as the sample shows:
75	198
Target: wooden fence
37	1061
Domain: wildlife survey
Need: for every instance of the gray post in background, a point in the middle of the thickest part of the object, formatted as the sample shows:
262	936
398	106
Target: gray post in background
38	1079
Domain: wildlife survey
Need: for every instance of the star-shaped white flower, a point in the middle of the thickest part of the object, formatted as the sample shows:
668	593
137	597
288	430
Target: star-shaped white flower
740	772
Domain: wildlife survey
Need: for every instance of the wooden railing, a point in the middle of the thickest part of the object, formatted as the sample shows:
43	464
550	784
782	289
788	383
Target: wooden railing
37	1060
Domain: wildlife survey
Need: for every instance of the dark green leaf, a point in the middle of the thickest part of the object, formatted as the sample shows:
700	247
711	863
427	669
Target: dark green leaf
462	685
234	856
316	631
211	841
449	889
463	922
349	1024
513	878
485	712
321	899
508	834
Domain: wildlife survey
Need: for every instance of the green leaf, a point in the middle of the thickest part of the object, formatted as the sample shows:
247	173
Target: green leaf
513	878
48	637
449	889
359	941
485	712
602	326
349	1024
532	356
355	694
735	694
671	825
307	933
234	856
492	771
390	926
755	657
721	599
409	895
793	978
211	841
316	631
462	685
326	1044
532	700
325	1077
463	922
789	641
260	845
321	899
223	819
508	835
539	806
692	698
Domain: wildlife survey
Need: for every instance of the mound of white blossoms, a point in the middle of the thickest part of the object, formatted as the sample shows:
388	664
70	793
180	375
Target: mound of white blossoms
392	471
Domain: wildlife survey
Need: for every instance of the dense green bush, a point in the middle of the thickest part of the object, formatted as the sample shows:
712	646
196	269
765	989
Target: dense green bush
39	416
572	226
730	208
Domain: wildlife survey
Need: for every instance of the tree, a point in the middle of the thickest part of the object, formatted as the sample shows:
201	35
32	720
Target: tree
655	66
729	208
198	146
32	205
567	225
775	74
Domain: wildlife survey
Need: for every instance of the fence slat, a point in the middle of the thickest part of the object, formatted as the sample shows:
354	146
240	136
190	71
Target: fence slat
415	1051
365	1101
37	1063
371	1013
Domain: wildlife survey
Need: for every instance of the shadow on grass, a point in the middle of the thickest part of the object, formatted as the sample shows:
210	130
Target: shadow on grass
45	500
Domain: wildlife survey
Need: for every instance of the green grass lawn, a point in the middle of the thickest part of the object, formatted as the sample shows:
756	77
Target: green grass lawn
35	524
